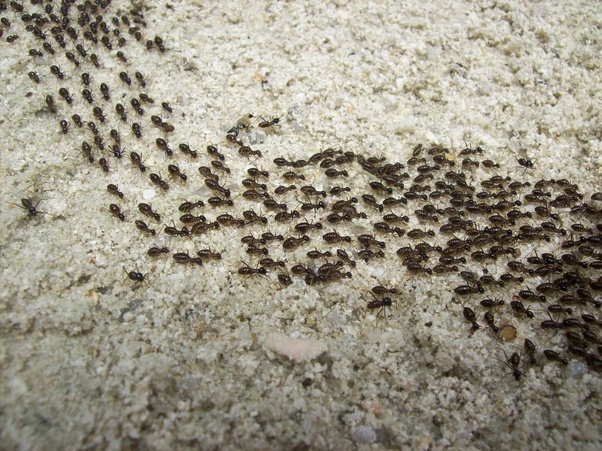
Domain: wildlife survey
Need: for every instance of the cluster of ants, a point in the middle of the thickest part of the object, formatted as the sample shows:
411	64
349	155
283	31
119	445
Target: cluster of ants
321	218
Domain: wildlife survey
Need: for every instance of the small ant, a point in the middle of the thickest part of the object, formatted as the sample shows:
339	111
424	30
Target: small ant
32	211
513	363
380	290
274	121
381	304
116	211
185	148
555	356
174	171
114	189
64	126
530	350
209	254
490	303
135	276
104	164
141	225
318	254
520	309
246	151
156	251
157	180
471	317
184	259
249	271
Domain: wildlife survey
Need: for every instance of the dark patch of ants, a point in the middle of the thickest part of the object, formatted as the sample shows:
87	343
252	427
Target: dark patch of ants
477	223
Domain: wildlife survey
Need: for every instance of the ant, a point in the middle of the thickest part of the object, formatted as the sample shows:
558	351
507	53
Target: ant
292	242
471	317
184	259
141	225
252	217
530	350
334	237
32	210
555	356
114	189
187	207
135	276
174	171
215	186
209	254
256	173
162	144
147	210
381	304
157	180
185	148
156	251
218	202
212	151
513	363
367	254
380	290
174	231
64	127
116	211
343	255
249	271
525	163
306	226
318	254
520	309
490	320
218	164
490	303
246	151
274	121
284	280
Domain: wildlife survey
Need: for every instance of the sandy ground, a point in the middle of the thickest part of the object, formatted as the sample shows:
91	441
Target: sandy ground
187	359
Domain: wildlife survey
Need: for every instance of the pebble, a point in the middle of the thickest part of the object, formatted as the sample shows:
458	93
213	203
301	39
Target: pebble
296	349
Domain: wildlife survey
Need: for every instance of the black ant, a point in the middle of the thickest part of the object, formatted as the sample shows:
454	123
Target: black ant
116	211
137	160
471	317
135	276
174	171
64	127
381	304
209	254
249	271
274	121
32	210
184	259
379	290
530	350
141	225
157	180
156	251
520	309
513	363
114	189
555	356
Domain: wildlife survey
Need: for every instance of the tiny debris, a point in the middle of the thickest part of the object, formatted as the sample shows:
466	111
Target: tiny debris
296	349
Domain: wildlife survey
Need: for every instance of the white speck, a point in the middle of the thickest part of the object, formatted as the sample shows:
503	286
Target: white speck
148	194
296	349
